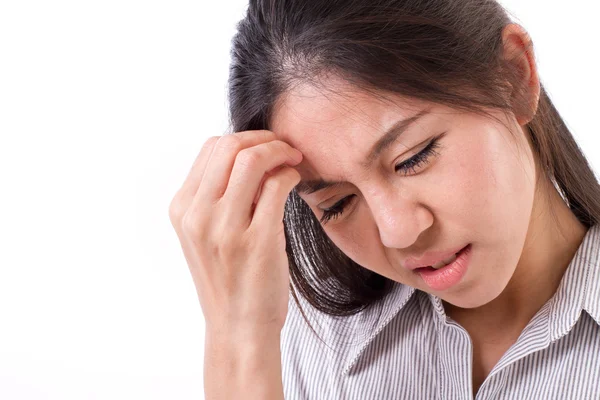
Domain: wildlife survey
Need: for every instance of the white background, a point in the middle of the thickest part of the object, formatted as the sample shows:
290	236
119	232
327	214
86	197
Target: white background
103	108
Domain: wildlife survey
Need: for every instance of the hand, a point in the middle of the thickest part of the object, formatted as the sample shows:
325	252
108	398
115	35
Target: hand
231	231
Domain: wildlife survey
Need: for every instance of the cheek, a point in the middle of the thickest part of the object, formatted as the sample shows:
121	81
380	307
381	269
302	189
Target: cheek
359	241
462	186
351	241
490	187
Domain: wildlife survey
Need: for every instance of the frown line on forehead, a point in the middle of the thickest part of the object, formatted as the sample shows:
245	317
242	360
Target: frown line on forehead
385	141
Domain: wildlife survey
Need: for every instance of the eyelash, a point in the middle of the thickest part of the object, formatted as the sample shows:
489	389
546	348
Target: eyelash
423	157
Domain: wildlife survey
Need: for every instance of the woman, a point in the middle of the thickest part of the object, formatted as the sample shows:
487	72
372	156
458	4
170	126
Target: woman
439	220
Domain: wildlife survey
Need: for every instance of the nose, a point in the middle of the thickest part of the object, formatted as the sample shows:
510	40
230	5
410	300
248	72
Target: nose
400	216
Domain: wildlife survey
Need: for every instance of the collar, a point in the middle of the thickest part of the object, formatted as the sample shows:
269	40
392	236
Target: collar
389	307
579	290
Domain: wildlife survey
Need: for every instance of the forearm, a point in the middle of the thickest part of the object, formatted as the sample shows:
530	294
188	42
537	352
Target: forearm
248	368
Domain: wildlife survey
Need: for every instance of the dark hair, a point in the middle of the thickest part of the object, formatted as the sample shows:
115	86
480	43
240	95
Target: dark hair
443	51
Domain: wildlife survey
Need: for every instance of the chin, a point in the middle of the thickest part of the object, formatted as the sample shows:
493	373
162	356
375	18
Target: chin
466	303
468	299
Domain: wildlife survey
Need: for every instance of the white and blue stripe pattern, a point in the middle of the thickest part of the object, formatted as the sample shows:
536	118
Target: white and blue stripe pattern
407	348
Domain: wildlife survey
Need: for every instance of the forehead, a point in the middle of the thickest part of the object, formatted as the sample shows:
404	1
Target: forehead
335	124
335	104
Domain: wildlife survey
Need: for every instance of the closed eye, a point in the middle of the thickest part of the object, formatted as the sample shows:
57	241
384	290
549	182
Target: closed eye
416	161
336	210
423	157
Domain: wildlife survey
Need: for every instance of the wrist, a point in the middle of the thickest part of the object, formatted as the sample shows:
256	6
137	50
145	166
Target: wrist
243	364
235	334
243	347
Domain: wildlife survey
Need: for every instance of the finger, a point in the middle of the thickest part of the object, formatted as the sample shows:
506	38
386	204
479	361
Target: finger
185	194
221	162
192	182
268	215
252	167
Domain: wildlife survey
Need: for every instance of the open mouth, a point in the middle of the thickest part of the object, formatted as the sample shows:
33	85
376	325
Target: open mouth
444	263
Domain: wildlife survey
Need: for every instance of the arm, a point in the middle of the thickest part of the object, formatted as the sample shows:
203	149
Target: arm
242	369
228	216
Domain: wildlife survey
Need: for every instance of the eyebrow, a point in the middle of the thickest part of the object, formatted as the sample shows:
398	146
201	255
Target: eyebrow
384	142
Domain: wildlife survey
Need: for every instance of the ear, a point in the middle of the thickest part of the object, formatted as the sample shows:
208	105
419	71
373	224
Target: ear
518	50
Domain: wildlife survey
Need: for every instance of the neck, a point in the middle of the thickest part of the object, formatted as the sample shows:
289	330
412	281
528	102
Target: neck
552	240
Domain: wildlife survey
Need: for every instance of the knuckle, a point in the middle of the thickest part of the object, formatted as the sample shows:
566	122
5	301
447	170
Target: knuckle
273	184
249	158
231	143
176	211
211	141
267	135
281	146
193	227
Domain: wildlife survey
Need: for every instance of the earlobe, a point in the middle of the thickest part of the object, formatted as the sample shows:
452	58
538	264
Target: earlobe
518	51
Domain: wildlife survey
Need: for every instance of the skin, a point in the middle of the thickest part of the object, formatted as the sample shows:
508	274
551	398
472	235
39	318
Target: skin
234	245
480	188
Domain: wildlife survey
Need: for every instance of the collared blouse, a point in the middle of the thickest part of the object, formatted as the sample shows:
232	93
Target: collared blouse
406	347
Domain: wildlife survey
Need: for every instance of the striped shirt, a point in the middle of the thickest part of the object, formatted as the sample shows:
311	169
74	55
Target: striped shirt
405	347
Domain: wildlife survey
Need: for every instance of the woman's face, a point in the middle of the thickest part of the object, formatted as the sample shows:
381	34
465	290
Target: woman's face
475	186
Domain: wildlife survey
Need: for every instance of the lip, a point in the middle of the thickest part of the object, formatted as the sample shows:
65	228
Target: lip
430	258
448	276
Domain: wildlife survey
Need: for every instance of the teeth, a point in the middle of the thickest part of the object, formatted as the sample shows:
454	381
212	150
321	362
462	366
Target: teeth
444	262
